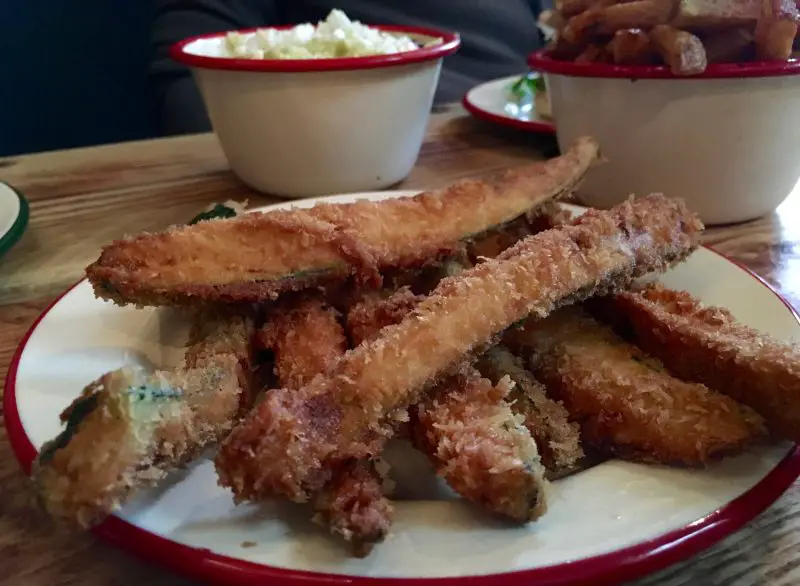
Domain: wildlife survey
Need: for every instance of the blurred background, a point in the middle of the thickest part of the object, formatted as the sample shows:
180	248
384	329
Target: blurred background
74	74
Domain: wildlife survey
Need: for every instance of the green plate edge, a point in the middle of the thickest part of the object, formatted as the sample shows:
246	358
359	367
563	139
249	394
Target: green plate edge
10	238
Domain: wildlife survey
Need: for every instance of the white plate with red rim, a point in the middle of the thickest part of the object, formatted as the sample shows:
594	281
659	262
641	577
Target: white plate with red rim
613	522
13	217
492	101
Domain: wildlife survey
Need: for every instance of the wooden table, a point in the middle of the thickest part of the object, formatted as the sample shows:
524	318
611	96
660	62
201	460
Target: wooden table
81	199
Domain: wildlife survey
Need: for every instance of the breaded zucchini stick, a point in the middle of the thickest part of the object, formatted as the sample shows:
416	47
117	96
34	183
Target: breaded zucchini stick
129	429
260	255
627	404
353	505
465	427
216	333
289	444
307	339
480	447
707	345
495	242
378	310
557	438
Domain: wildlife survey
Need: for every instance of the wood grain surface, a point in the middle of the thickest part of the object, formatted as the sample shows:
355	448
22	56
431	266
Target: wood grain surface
81	199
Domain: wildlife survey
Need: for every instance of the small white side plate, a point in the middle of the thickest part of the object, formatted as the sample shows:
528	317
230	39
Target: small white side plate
490	101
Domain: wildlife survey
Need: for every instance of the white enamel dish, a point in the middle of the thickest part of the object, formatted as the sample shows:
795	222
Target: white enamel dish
311	127
718	140
490	101
613	522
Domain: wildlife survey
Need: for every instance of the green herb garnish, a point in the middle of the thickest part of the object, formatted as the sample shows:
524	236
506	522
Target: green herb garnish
525	88
219	211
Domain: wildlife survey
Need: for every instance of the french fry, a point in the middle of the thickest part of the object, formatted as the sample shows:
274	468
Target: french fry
594	54
580	29
774	38
631	47
711	15
553	21
562	50
729	45
570	8
642	14
682	51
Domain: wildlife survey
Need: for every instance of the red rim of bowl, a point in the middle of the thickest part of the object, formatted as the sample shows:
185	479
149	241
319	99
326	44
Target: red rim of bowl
541	126
539	61
603	570
450	42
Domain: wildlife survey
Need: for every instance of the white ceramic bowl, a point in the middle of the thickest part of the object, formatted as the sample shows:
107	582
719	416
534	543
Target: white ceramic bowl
300	128
725	141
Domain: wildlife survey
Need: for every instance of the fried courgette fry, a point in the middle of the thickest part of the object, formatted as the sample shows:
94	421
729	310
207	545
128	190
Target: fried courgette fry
627	404
707	345
480	447
465	427
129	429
307	339
353	506
557	438
290	442
258	256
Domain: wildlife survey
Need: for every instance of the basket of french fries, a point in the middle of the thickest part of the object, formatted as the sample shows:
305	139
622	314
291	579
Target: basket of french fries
690	97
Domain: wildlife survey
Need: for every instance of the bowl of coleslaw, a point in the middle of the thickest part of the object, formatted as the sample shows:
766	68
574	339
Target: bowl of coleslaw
322	108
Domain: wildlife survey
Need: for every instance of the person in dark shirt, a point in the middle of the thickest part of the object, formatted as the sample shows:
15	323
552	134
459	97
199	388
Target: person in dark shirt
496	37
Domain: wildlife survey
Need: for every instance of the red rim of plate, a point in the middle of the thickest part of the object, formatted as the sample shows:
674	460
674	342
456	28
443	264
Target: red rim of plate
603	570
450	42
539	61
530	125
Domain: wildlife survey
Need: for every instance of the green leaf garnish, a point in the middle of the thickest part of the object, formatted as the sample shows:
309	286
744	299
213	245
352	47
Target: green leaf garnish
525	88
219	211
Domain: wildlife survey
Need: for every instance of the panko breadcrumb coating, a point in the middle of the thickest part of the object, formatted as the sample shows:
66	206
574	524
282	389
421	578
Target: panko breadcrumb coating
378	310
353	505
707	345
291	442
477	444
627	404
307	339
257	256
480	447
547	420
129	429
